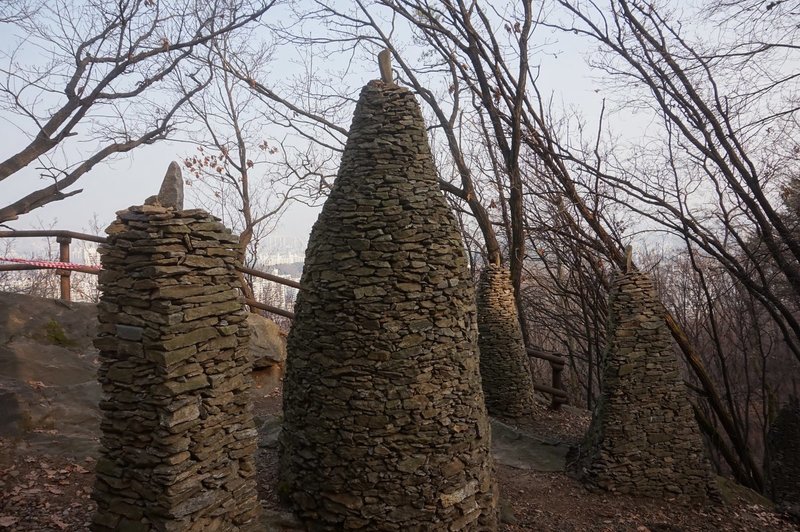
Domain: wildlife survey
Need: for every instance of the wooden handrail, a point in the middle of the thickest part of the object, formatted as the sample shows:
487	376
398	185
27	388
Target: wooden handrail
65	235
546	355
64	238
557	364
19	267
269	277
53	233
269	308
555	392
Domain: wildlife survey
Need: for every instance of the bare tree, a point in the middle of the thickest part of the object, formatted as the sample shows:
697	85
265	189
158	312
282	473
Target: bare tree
495	83
13	11
508	165
236	170
447	83
711	178
231	163
103	84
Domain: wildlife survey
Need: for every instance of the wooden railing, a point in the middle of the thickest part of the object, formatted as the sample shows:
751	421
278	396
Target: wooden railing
64	239
556	390
67	236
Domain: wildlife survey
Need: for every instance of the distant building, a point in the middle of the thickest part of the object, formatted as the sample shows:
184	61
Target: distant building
282	250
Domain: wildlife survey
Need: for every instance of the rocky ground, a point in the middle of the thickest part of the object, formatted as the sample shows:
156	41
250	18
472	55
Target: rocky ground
48	443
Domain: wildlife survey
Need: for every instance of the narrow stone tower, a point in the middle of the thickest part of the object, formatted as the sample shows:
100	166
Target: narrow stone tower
505	372
643	438
385	426
178	439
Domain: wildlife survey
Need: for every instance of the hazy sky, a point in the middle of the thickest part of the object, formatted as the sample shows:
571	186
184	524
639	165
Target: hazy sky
129	179
126	181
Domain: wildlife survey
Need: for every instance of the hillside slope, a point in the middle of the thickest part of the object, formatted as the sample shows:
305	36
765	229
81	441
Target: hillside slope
48	388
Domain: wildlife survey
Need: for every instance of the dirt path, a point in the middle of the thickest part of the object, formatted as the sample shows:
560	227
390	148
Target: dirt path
549	501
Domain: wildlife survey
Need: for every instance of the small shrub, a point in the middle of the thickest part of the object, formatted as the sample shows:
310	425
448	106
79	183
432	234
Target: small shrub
55	334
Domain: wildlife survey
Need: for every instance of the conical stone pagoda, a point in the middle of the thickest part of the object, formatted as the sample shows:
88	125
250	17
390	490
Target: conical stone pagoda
178	445
385	426
505	371
783	450
643	438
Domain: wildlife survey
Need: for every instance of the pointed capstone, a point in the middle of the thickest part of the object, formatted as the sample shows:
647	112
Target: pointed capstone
385	426
643	438
385	66
171	192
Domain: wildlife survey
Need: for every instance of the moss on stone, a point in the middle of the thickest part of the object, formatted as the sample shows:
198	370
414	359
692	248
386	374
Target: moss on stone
55	334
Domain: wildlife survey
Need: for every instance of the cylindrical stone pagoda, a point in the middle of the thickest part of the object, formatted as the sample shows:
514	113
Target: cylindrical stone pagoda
178	439
385	426
505	371
643	439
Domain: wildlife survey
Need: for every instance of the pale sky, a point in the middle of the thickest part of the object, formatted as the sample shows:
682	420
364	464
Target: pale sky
130	178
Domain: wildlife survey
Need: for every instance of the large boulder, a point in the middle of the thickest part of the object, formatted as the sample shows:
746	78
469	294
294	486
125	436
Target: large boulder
48	388
267	342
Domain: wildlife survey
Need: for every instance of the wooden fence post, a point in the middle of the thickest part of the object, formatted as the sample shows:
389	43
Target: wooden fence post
63	256
556	402
557	362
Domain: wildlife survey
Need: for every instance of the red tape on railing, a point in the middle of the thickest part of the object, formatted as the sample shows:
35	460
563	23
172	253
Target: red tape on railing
52	264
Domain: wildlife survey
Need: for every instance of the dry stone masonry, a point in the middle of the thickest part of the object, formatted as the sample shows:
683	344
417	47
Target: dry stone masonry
505	371
783	447
385	426
178	438
643	439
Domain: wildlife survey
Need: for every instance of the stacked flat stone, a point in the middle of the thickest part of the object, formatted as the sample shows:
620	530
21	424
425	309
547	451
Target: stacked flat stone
178	438
384	422
505	372
643	438
783	450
